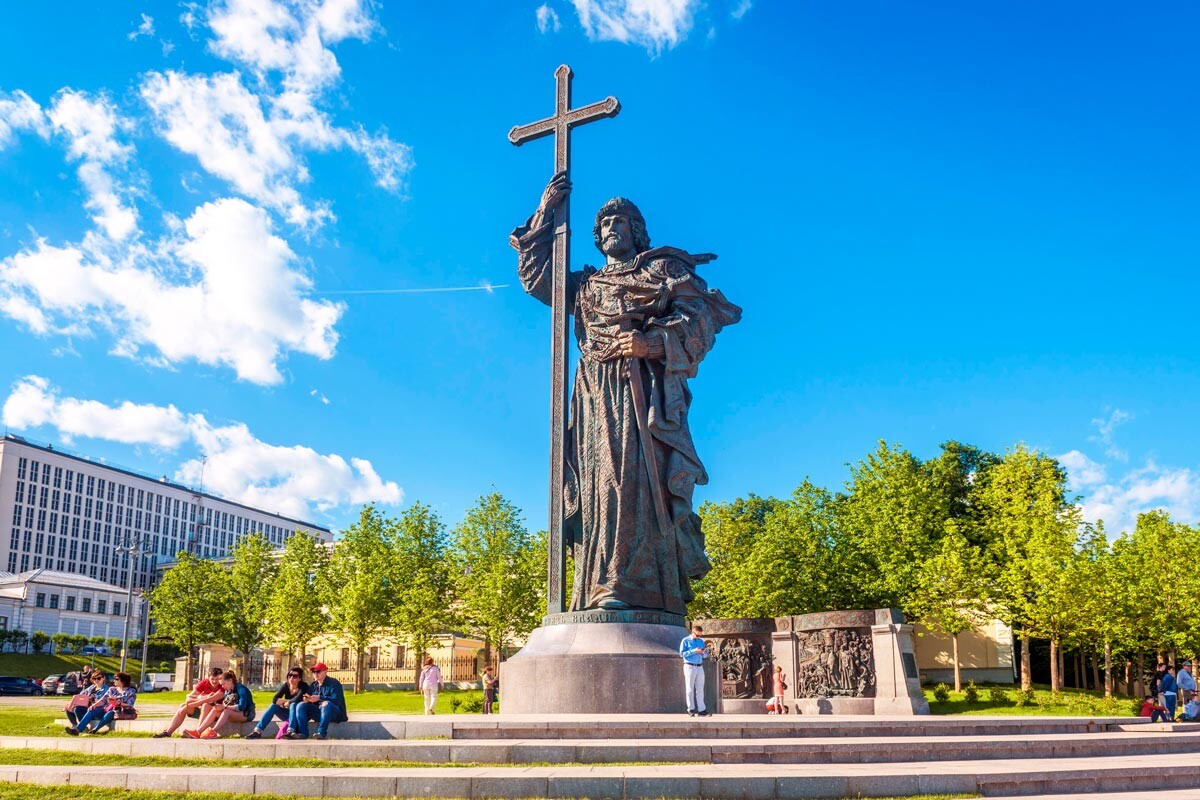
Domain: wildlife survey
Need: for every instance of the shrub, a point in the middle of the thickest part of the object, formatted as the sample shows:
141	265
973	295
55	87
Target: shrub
1025	697
941	693
998	695
97	640
61	641
455	702
472	705
78	642
113	644
971	693
39	640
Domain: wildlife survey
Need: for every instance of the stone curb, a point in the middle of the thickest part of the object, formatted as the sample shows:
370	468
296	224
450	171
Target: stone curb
1018	777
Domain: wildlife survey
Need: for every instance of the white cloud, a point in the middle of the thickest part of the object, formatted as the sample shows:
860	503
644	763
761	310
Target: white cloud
1175	490
222	291
653	24
547	19
146	28
1105	427
90	127
740	10
289	479
320	396
253	136
19	112
1083	471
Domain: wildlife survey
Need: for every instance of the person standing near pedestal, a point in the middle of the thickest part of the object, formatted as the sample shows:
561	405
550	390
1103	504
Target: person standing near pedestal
693	651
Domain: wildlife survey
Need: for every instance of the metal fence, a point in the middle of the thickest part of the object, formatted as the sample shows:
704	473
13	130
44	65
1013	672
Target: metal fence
382	671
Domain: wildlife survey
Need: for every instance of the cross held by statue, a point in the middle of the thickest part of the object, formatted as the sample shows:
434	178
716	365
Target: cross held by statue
560	125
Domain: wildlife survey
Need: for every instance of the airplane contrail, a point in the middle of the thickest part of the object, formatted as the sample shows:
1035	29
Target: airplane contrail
487	288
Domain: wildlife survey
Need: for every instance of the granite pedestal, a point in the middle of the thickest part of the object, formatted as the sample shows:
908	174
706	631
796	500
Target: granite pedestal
597	662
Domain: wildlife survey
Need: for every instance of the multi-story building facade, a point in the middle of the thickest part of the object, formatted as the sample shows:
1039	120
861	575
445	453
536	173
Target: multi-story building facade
62	602
66	513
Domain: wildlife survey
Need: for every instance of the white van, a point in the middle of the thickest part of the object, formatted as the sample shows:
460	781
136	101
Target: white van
158	682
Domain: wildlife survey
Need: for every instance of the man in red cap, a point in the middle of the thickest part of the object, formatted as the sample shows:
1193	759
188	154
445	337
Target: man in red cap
324	701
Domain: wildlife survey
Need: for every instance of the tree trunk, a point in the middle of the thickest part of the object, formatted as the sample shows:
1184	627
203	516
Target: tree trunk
1096	684
1108	676
1026	669
957	671
1141	674
487	649
1129	677
1055	664
1062	669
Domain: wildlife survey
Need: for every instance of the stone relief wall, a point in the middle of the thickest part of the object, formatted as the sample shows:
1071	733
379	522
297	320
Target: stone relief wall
837	662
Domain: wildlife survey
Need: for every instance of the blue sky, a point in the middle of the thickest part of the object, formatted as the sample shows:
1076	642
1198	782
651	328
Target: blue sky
941	221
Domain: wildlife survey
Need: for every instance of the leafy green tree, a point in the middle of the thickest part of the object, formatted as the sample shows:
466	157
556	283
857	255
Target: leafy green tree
295	613
421	574
499	572
78	641
730	532
891	521
251	571
60	640
39	640
187	604
97	640
113	643
357	588
19	640
1022	500
954	591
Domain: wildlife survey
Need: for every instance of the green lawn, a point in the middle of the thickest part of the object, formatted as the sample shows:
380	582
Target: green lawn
39	666
1069	703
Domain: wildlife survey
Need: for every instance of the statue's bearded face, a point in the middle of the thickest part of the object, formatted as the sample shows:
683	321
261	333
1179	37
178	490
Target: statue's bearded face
616	237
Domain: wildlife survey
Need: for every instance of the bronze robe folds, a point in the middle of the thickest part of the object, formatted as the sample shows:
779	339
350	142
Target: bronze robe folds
620	552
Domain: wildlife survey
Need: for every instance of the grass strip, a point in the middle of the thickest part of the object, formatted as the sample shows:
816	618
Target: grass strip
30	757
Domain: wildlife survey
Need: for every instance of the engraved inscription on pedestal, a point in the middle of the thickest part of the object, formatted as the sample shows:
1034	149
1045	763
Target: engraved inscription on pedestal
835	662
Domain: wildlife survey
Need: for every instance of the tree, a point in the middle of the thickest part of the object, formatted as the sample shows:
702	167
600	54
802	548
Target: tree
97	640
251	571
113	643
61	640
499	572
19	639
356	586
78	641
187	602
294	612
39	640
421	575
954	591
730	532
1022	500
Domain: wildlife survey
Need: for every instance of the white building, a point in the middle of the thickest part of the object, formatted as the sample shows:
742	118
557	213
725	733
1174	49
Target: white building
69	514
60	602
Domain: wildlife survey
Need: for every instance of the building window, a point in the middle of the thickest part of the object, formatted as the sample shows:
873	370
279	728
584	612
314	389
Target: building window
16	515
25	562
21	465
101	605
20	491
87	605
44	495
344	660
58	477
46	473
116	608
70	602
91	487
41	524
33	471
54	601
373	658
4	620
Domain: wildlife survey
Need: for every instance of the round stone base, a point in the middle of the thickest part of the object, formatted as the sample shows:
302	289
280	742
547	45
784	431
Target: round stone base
601	668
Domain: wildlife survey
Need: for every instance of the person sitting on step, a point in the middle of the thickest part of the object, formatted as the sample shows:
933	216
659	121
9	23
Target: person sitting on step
325	702
78	705
116	703
289	694
1153	710
199	699
237	706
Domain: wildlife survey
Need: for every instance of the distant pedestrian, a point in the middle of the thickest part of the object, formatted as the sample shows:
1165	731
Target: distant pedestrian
778	687
490	683
693	651
1186	682
429	682
1169	690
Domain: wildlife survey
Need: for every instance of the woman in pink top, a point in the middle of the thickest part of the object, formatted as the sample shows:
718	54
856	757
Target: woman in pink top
778	687
429	682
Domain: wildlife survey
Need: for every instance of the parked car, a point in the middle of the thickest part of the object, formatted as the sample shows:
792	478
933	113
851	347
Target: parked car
50	684
11	684
69	684
95	650
158	682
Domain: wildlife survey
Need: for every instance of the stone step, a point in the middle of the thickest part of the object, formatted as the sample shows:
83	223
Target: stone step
592	751
1018	777
658	726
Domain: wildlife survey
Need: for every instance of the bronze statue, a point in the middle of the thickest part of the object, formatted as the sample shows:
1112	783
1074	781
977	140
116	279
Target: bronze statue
644	321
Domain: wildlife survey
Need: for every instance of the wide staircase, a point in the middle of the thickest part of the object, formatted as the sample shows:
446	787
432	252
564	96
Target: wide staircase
629	756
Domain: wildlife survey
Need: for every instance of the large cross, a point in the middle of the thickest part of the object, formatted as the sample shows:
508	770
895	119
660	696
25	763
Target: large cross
565	118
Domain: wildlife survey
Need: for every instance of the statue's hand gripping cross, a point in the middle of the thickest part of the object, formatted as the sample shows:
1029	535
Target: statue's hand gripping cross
565	118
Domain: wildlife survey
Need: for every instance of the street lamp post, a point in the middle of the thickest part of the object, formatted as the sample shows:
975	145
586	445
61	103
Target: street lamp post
131	549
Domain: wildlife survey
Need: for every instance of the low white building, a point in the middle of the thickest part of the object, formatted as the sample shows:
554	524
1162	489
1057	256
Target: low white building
63	602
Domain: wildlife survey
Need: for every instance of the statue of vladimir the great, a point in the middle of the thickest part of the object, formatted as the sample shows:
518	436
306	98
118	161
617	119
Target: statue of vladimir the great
644	322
